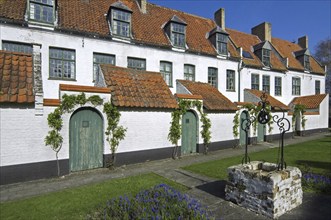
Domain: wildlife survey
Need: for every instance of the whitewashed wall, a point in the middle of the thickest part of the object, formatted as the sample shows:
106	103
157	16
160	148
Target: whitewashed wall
85	47
221	126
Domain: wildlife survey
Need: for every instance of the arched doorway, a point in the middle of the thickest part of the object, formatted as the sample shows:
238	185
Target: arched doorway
242	124
189	133
86	140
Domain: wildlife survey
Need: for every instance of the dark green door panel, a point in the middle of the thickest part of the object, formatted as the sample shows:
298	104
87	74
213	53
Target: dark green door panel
189	133
260	132
86	140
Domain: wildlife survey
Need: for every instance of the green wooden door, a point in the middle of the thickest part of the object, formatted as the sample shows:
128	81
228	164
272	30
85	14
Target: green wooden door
86	140
189	133
242	134
260	132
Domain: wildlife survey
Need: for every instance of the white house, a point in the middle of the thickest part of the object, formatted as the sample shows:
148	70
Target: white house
143	58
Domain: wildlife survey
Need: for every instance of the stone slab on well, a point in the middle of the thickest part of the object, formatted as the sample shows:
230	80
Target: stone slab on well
260	187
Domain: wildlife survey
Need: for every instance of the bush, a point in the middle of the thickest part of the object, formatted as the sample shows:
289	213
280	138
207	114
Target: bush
160	202
316	182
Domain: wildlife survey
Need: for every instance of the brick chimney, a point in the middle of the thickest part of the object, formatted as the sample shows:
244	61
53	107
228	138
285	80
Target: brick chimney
303	42
263	31
142	4
219	17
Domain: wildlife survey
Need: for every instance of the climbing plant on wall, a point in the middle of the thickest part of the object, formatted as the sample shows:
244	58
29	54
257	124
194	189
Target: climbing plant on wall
175	130
55	121
299	110
114	132
253	110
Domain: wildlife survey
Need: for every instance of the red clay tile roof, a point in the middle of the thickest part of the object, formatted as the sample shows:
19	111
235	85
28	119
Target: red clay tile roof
136	88
287	49
89	17
273	101
310	102
79	88
188	96
212	98
16	77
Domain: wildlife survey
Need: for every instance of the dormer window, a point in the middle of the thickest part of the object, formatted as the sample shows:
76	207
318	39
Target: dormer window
120	20
219	38
178	35
42	11
222	43
266	57
263	52
176	31
306	62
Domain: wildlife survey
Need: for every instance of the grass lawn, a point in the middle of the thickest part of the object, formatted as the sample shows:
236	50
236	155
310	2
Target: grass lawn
75	203
314	154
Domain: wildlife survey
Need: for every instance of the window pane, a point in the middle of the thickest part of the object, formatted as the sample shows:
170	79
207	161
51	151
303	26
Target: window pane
230	80
212	76
278	86
166	71
42	10
255	82
17	47
266	57
136	63
101	59
317	87
62	63
296	86
189	72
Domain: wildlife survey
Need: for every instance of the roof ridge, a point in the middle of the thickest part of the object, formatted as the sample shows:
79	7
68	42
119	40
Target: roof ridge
182	12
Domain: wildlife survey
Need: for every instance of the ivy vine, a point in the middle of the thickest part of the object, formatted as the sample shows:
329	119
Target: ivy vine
253	110
55	121
175	130
299	109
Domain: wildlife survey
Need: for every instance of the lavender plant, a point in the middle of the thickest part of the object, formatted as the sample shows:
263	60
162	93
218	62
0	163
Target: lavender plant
316	182
160	202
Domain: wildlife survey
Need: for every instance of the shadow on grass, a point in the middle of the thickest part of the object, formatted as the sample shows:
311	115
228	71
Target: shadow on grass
315	164
216	188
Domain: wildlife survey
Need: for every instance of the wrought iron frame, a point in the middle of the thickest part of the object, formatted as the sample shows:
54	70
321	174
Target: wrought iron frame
263	118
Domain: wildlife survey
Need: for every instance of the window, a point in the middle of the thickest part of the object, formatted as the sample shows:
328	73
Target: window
317	87
178	35
278	86
266	84
17	47
306	62
136	63
222	42
42	10
61	63
296	84
255	81
230	80
166	71
212	76
189	72
266	57
101	59
121	23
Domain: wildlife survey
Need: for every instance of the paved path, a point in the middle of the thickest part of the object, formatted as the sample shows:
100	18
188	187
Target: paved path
208	190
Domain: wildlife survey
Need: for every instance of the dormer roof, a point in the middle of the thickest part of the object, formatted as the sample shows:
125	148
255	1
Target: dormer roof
176	19
120	5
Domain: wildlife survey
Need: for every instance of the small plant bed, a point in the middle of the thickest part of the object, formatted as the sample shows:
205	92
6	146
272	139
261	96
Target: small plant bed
159	202
76	203
312	158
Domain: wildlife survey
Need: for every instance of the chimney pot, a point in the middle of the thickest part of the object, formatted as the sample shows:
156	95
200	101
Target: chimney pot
142	4
219	18
263	31
303	42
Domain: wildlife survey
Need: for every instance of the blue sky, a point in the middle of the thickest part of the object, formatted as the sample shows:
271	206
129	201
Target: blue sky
290	19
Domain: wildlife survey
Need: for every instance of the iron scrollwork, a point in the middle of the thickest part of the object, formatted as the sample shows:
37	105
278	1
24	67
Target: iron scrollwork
263	118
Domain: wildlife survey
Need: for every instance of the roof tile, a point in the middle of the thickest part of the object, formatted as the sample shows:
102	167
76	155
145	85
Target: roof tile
135	88
310	102
14	87
212	98
273	101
